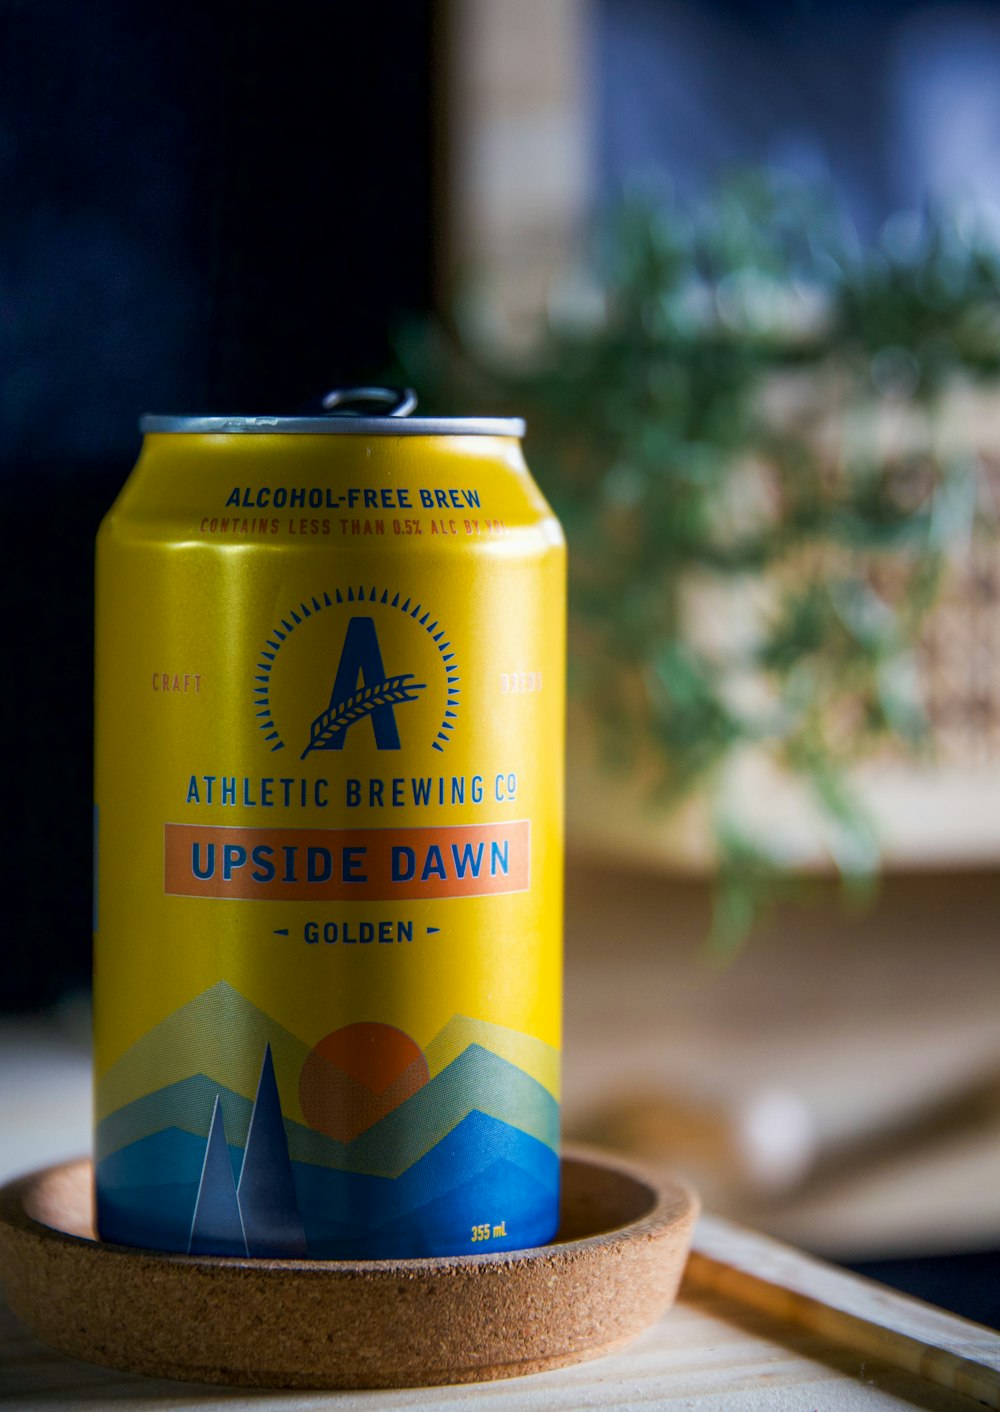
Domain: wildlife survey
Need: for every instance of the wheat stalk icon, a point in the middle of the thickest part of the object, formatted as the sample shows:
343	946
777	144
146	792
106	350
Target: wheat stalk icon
341	714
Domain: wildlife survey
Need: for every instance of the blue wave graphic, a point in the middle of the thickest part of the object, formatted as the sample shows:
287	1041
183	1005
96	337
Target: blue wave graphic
154	1217
186	1105
165	1158
504	1195
483	1172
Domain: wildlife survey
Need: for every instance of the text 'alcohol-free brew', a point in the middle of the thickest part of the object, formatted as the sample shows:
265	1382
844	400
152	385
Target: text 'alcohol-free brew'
330	676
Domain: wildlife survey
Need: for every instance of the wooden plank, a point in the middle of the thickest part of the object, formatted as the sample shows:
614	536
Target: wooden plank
706	1355
800	1291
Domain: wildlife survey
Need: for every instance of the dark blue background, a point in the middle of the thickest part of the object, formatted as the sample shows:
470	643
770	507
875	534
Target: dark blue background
203	207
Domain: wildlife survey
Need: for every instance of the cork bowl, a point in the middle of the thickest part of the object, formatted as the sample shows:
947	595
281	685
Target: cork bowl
614	1268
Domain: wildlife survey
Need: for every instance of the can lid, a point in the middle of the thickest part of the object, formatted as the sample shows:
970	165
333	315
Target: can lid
345	411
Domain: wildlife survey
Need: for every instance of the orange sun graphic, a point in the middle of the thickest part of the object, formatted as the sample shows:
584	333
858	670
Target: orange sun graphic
357	1075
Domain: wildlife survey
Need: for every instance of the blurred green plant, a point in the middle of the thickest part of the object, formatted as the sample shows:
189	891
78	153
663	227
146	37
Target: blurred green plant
705	414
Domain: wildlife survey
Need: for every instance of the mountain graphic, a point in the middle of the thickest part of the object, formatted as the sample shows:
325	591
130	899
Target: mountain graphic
147	1194
530	1055
259	1215
220	1034
182	1105
476	1080
217	1223
266	1191
209	1158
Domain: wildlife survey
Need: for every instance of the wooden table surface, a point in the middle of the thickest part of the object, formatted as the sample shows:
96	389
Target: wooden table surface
758	1328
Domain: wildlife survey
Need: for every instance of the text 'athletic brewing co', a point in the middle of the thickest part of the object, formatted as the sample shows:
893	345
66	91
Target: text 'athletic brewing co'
329	754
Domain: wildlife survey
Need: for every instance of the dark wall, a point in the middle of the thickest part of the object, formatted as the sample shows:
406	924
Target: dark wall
202	208
889	103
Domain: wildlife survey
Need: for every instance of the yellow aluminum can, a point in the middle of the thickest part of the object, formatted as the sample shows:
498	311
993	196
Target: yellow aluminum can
329	781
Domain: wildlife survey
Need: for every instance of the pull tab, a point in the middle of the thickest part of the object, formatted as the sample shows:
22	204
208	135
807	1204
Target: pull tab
357	401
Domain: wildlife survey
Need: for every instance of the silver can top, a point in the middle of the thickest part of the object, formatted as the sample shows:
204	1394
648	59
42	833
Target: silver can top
345	412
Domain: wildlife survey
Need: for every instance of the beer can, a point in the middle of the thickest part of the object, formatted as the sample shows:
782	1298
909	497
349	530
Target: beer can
328	822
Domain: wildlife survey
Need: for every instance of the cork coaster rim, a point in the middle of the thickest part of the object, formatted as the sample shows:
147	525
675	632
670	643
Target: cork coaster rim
346	1324
671	1200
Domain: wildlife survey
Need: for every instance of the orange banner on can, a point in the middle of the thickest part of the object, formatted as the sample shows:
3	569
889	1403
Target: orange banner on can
347	865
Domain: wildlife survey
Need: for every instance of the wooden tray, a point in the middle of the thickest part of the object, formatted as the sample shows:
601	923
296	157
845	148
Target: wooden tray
614	1269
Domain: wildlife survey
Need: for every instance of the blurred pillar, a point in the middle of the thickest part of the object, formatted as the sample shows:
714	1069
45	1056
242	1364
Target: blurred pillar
516	164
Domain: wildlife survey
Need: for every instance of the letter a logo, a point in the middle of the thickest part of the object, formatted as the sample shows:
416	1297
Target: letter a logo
362	690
